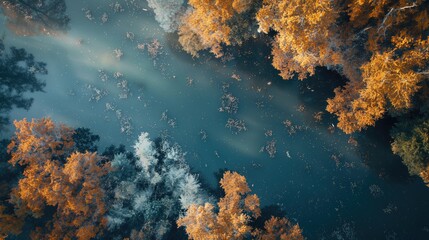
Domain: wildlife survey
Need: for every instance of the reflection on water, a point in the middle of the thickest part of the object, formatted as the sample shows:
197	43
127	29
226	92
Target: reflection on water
123	75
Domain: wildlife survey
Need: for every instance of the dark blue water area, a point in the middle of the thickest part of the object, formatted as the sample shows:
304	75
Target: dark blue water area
333	189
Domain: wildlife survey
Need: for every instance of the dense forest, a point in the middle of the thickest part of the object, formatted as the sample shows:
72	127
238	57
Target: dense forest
56	184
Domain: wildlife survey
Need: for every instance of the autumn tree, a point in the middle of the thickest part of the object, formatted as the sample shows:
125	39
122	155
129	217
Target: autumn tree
210	24
305	36
33	17
279	228
392	76
19	74
54	176
232	218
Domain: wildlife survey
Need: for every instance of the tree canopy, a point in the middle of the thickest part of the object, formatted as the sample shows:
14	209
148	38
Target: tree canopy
34	17
233	216
18	75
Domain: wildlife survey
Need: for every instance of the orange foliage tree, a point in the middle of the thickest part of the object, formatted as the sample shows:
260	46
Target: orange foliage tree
206	25
304	39
235	211
394	74
53	177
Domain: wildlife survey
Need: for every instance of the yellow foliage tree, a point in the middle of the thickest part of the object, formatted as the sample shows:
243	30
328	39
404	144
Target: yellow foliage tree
304	35
279	228
389	79
235	211
73	188
206	25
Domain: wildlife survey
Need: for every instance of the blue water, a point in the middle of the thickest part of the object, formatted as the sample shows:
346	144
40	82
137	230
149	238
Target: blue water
330	187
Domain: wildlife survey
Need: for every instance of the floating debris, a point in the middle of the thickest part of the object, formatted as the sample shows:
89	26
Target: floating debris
235	125
203	135
288	154
96	94
236	77
88	14
154	48
268	133
352	141
117	7
301	108
125	91
172	122
271	149
318	116
292	129
331	128
189	81
130	36
104	18
141	46
390	208
164	116
346	231
260	104
117	75
225	87
126	126
118	53
229	103
110	107
336	159
103	75
375	190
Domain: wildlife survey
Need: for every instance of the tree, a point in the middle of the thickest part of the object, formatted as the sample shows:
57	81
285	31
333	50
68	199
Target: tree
149	190
84	140
53	176
389	79
411	143
33	17
168	13
235	212
18	75
304	37
207	25
279	228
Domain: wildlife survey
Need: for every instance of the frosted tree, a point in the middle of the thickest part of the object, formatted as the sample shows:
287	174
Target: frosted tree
152	188
168	13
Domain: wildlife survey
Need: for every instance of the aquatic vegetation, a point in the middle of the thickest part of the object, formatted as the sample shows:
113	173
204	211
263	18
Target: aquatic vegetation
271	149
229	103
118	53
236	125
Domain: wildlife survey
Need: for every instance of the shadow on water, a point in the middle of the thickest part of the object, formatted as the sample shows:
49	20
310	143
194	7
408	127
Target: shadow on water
375	149
315	90
268	212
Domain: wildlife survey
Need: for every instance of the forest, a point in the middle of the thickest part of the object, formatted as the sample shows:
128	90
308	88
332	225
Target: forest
57	184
